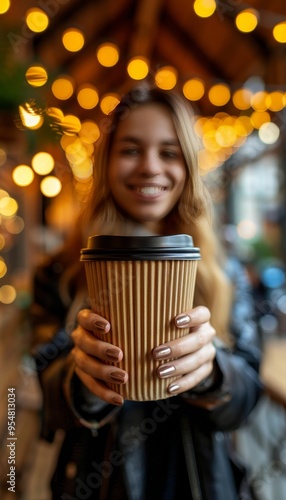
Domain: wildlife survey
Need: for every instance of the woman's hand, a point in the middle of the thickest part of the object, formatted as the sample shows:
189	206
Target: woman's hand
192	355
90	353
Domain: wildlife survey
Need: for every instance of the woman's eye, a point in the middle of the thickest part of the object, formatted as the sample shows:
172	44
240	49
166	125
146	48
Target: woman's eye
130	151
169	154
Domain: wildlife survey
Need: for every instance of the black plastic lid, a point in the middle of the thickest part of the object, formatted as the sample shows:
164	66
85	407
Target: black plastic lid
106	247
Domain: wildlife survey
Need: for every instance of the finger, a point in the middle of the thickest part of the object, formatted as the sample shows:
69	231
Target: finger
195	317
186	344
191	380
187	364
91	366
95	347
92	321
99	389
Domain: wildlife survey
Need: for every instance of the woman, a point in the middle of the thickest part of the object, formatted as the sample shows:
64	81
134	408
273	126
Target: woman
145	179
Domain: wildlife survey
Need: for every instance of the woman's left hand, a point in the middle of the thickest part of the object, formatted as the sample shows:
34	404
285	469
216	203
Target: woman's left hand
190	357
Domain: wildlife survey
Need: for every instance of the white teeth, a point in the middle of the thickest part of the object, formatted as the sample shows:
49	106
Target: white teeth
149	189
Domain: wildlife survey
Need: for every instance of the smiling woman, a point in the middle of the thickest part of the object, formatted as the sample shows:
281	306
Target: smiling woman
146	179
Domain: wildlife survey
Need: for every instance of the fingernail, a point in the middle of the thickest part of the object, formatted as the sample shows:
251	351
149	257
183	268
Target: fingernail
161	352
166	370
112	354
100	325
173	388
117	376
183	320
117	400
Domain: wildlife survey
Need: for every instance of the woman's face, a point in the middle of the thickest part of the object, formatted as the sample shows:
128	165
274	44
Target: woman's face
147	170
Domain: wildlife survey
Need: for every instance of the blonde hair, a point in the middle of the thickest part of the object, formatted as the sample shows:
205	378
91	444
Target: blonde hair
192	214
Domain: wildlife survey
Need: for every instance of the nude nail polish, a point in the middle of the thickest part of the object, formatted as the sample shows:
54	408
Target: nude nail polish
117	376
166	370
112	354
173	388
183	320
161	352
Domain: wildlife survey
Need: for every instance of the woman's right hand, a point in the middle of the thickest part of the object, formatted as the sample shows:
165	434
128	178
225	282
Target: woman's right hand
90	353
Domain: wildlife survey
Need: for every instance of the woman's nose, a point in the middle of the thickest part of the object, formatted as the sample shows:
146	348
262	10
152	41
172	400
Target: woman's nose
149	163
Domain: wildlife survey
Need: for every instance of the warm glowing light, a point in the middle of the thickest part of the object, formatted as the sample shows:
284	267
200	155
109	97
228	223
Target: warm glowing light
83	170
71	124
226	136
87	97
275	101
37	20
73	39
259	117
246	229
23	175
166	78
2	241
14	225
89	132
62	88
259	100
242	99
108	103
30	120
36	76
3	268
7	294
43	163
50	186
269	133
108	54
247	20
244	122
204	8
219	94
279	32
194	89
3	156
4	6
8	206
138	68
207	160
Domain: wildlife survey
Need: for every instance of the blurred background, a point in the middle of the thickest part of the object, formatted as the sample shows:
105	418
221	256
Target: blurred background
63	67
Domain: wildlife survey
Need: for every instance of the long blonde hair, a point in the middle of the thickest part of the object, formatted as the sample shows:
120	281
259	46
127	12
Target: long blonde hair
192	214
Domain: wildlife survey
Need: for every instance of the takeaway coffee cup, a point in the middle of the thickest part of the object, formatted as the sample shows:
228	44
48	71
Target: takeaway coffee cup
139	284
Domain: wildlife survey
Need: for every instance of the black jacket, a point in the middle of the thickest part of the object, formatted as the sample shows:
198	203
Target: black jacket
178	448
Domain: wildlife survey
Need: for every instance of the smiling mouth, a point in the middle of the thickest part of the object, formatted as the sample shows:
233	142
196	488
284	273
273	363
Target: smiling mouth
148	189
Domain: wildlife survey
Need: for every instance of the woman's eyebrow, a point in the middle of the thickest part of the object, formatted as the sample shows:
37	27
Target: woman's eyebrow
130	138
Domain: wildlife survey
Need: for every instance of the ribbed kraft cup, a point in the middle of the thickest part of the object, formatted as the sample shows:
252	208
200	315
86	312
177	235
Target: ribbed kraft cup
141	298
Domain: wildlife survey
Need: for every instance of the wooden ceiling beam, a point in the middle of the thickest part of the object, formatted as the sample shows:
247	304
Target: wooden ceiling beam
145	27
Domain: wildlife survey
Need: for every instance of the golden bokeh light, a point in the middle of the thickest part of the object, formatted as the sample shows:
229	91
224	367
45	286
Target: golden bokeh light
36	76
31	121
7	294
2	241
194	89
89	132
219	94
63	88
275	101
107	54
37	20
3	268
4	6
109	102
50	186
166	77
43	163
259	101
279	32
71	124
8	206
204	8
244	123
73	39
3	156
15	225
247	229
259	117
242	99
23	175
138	68
87	97
247	20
